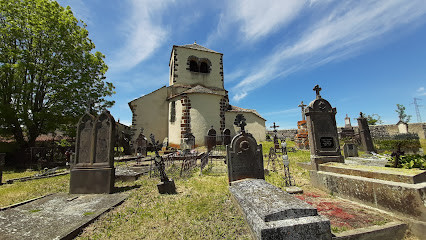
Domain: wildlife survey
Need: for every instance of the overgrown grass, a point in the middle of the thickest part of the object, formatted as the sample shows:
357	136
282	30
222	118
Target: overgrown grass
202	209
11	173
22	191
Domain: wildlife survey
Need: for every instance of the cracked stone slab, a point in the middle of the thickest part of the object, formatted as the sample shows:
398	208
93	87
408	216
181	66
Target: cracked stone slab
56	216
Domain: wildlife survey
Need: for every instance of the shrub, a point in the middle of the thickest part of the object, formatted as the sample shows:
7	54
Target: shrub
411	161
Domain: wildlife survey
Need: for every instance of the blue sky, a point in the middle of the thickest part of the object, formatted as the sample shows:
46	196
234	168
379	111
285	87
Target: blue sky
366	55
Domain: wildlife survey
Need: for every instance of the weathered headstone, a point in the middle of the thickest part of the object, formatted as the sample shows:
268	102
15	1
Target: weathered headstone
141	144
348	130
211	139
322	131
244	156
350	150
402	127
364	134
2	162
226	137
93	168
188	142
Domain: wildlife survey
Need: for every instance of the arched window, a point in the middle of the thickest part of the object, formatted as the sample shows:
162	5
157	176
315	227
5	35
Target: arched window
204	68
193	66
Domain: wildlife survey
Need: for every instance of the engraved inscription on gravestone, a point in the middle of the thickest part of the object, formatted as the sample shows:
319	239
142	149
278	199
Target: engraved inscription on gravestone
327	142
103	135
84	139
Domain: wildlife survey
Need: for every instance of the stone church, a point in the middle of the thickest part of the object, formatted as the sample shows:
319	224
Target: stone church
195	101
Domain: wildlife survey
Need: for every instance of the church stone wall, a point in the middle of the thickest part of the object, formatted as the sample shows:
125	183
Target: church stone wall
175	127
205	112
186	77
255	125
151	113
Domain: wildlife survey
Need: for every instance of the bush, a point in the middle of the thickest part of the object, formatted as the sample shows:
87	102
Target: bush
404	142
411	161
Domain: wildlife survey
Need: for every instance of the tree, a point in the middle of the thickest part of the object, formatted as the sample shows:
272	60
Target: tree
48	71
403	117
374	119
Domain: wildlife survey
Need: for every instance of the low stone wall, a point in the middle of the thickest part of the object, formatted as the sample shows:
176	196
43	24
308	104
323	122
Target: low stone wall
377	131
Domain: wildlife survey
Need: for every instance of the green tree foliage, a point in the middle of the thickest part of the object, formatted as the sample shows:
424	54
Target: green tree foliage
48	71
401	113
373	119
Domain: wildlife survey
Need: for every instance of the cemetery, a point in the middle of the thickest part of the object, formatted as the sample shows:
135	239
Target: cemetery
193	166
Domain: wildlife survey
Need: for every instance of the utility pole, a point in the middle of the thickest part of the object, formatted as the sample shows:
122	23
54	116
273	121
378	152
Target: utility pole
416	105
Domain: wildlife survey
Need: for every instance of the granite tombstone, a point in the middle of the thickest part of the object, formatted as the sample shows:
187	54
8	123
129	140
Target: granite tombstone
364	134
244	156
93	168
350	150
322	131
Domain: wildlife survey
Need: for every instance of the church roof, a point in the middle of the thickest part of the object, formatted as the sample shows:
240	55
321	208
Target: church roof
197	47
238	109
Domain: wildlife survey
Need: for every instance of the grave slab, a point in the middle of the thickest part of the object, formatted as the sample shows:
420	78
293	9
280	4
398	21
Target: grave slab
56	216
275	214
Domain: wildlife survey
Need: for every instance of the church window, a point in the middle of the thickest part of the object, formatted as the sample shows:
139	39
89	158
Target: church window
173	111
204	68
193	66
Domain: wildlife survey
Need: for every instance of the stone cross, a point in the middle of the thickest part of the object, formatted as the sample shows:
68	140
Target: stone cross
317	90
240	121
303	110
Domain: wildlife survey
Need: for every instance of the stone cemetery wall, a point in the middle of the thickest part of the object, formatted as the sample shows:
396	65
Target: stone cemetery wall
377	131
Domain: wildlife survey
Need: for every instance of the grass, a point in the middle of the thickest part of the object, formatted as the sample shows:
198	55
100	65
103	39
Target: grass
202	209
22	191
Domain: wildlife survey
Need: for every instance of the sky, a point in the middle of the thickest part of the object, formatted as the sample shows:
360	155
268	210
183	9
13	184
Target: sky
367	56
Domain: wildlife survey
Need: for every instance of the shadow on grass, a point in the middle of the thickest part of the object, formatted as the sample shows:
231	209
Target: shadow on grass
126	188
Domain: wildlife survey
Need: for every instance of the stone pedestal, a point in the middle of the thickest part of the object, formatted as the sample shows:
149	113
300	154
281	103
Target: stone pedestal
167	187
101	180
350	150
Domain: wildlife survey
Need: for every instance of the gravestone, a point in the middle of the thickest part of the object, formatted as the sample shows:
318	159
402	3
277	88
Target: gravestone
350	150
226	137
2	162
188	142
402	127
244	157
141	144
322	131
93	168
364	134
210	139
348	130
301	139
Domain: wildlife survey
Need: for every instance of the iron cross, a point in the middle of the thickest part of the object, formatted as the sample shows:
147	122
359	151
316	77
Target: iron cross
275	128
317	90
303	110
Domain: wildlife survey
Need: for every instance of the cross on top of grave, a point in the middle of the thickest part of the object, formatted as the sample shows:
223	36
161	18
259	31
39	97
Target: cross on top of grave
275	128
317	90
240	121
361	115
302	106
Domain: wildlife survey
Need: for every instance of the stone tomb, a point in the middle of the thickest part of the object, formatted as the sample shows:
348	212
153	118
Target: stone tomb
350	150
270	212
93	168
322	131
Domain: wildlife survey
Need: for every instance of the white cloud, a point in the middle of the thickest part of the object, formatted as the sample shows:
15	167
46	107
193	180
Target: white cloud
143	34
344	31
421	91
255	19
291	111
260	18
